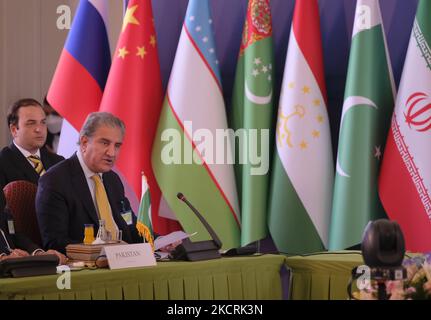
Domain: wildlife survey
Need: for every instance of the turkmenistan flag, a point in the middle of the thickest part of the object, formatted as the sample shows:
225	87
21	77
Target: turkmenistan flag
405	178
186	158
302	175
368	104
252	108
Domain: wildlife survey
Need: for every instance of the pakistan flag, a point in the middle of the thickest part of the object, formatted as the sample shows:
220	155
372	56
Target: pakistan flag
252	108
368	104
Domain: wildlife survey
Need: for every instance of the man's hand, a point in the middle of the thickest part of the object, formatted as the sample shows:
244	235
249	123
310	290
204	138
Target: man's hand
16	253
61	257
170	247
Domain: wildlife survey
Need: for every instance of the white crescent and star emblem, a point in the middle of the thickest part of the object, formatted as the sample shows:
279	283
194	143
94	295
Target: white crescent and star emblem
349	103
260	100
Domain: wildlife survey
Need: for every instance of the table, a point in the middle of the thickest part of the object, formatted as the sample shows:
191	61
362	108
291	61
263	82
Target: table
322	276
254	277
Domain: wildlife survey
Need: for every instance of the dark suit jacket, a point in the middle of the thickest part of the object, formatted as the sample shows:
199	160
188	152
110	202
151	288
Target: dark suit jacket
14	166
64	204
15	240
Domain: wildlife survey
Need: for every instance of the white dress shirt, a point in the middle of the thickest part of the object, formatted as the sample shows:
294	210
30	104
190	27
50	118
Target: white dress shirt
27	154
91	185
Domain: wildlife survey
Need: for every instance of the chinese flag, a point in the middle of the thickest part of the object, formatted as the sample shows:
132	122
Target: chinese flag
134	93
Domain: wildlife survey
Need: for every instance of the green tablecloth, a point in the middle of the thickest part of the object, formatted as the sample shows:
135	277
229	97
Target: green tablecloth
256	277
322	276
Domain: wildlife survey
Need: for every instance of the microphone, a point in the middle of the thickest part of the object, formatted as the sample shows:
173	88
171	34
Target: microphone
181	196
199	250
210	230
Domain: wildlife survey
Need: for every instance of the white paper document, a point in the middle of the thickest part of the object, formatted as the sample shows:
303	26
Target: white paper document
170	238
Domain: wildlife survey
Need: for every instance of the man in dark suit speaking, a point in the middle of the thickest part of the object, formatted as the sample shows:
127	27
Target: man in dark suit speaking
83	189
26	158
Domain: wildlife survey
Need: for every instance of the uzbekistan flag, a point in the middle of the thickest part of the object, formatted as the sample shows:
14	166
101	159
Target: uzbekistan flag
195	94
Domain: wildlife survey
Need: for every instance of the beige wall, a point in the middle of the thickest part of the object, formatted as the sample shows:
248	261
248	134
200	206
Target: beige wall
30	45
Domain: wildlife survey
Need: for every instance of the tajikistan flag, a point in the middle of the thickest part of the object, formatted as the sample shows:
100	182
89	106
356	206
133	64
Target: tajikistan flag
185	158
405	179
302	177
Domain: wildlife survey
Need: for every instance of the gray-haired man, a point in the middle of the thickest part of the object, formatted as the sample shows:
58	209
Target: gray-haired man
83	189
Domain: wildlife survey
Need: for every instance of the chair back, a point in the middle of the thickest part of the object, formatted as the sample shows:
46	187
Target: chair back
20	198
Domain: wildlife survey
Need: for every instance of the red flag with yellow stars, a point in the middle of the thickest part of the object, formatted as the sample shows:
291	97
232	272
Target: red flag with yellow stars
133	92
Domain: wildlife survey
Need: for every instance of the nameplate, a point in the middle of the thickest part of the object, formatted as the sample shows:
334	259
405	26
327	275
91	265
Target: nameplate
129	256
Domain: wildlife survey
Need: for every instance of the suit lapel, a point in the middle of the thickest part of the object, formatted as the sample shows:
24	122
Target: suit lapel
80	183
44	156
22	164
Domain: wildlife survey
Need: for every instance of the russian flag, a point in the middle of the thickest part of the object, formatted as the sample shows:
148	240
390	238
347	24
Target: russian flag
79	80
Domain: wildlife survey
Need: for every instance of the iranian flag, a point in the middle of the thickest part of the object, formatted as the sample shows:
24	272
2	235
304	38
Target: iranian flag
405	179
186	156
368	104
252	110
302	177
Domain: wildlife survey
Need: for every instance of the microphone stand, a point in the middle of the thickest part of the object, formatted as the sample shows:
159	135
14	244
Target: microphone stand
200	250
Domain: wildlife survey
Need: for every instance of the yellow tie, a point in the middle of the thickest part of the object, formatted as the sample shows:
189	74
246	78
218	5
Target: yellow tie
37	164
103	205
